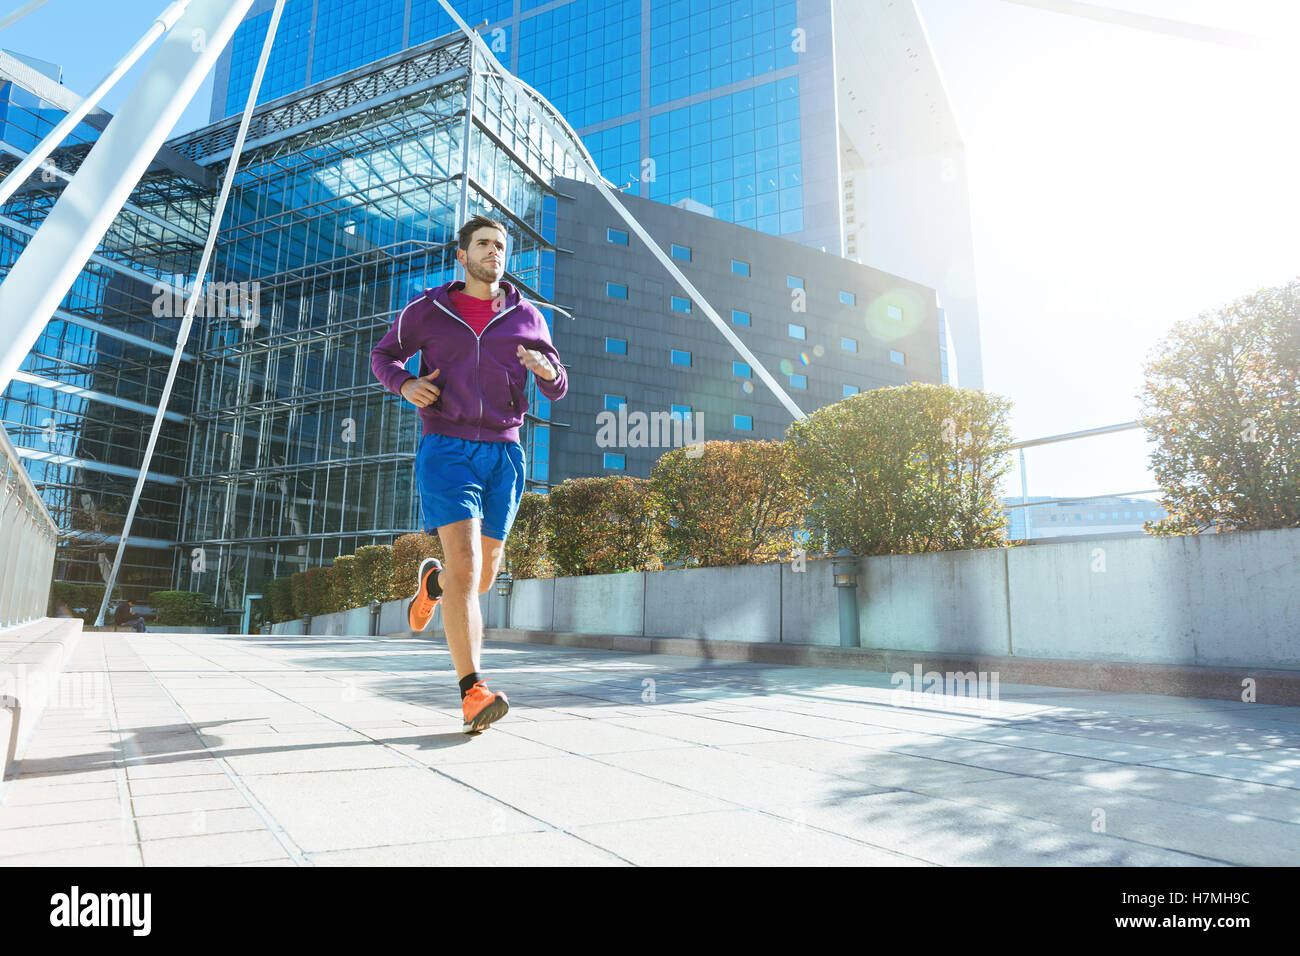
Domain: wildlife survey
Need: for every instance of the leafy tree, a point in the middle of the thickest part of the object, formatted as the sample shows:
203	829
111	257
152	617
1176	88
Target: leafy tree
906	469
1221	402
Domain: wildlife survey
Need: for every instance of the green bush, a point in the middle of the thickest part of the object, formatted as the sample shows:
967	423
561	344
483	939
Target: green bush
373	577
604	526
408	551
343	583
300	588
527	546
182	608
735	503
320	599
906	469
78	595
282	603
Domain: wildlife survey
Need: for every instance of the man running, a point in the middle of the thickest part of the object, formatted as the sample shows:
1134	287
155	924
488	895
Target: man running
478	339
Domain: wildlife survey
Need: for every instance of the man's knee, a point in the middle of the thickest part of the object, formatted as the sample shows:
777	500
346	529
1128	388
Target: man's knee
463	564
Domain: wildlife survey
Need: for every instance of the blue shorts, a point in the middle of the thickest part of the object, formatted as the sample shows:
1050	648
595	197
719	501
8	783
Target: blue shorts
460	478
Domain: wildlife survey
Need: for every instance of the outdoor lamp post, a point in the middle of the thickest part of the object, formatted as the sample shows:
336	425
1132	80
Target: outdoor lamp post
306	623
374	617
845	569
505	584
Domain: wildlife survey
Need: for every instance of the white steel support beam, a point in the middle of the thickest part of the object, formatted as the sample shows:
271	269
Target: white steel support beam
57	253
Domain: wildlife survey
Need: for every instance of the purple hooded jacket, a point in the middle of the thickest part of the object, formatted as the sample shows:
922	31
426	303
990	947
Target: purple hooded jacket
482	378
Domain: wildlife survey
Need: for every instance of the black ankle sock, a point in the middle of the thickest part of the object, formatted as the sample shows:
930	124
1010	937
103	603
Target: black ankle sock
468	681
432	588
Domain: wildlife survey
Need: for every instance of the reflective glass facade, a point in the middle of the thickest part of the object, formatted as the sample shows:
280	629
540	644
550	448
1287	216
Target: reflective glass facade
738	153
825	123
81	406
297	454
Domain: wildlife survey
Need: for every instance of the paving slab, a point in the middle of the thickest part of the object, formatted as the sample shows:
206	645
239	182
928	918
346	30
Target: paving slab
238	750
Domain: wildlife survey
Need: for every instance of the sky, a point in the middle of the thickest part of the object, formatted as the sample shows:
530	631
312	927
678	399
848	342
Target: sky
1121	181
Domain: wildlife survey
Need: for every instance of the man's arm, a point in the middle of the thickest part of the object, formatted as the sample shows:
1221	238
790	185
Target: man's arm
555	388
389	357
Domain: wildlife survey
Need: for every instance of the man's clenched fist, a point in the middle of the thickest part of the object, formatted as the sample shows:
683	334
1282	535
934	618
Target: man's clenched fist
421	391
538	362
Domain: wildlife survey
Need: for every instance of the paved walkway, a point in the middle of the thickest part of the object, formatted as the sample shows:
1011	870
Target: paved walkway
205	750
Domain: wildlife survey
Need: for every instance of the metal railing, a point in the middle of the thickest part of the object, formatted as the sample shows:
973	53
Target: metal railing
28	538
1066	436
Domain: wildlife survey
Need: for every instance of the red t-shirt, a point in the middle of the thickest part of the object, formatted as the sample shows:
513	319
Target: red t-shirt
477	313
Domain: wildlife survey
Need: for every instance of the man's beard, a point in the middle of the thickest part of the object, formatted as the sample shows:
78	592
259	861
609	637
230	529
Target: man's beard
482	272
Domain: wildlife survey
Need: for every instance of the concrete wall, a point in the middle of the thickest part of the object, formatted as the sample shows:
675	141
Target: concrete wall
1229	600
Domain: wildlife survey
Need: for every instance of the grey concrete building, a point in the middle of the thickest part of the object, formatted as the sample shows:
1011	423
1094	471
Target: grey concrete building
824	326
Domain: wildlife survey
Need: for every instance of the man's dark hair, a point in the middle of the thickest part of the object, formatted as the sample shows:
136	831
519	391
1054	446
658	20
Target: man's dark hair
474	225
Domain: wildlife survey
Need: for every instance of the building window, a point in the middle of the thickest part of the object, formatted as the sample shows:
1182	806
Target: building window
740	368
616	236
615	291
897	357
681	411
793	282
1128	514
798	331
848	345
615	461
612	402
739	268
798	381
848	298
681	252
1078	517
742	422
681	304
740	318
680	357
850	390
617	346
894	312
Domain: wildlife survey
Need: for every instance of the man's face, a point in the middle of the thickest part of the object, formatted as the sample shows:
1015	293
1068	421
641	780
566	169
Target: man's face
485	259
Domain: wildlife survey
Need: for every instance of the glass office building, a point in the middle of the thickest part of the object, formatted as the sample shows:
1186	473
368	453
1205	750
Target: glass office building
81	405
821	121
279	451
339	216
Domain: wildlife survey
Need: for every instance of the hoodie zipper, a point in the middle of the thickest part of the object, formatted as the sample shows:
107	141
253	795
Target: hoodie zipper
478	340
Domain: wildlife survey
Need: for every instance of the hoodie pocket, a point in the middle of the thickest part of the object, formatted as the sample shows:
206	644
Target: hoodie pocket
514	404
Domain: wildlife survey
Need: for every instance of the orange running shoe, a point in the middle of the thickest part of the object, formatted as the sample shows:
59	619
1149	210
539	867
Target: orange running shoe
482	708
427	595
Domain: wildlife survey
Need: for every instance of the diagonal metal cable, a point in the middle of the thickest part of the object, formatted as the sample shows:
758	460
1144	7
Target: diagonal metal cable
161	24
601	183
1142	21
183	335
21	12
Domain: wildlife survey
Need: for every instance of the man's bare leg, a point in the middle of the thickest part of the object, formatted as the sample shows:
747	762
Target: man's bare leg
471	564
